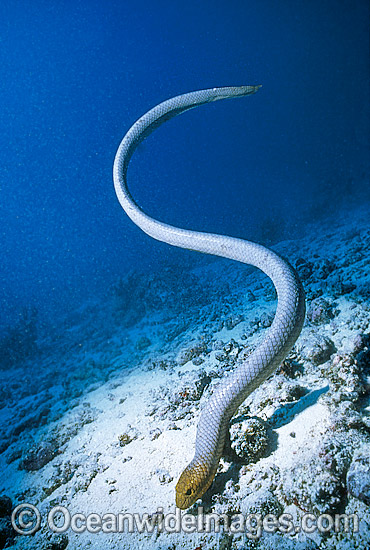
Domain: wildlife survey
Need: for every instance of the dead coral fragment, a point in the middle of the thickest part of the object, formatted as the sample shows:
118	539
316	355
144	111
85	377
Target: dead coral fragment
320	311
358	476
249	439
126	438
154	434
35	459
362	352
304	268
313	489
233	320
7	533
193	352
319	349
164	476
344	375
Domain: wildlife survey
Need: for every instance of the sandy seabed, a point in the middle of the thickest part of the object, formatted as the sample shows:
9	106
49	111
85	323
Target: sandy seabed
103	419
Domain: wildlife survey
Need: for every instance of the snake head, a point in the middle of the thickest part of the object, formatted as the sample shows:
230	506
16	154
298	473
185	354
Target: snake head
193	483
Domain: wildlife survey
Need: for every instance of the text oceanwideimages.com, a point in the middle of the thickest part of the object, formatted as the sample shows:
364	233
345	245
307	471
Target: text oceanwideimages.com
27	519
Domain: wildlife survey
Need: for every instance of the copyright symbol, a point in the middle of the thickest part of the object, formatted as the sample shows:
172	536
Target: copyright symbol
26	519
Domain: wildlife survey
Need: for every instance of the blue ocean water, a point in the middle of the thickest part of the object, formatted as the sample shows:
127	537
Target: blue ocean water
75	76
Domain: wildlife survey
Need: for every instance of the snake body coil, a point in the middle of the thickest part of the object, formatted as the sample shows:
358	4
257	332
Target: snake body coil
281	336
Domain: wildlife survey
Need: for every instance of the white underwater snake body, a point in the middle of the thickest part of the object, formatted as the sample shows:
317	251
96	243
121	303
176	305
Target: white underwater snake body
233	389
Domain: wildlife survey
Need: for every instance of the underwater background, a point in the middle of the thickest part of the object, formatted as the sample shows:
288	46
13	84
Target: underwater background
76	75
91	308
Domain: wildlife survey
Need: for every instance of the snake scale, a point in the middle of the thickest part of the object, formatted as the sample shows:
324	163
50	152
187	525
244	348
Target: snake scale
233	389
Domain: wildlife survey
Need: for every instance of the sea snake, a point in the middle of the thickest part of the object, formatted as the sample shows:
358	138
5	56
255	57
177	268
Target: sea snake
233	389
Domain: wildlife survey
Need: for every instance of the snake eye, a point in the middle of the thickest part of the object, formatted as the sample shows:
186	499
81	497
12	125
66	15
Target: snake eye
189	491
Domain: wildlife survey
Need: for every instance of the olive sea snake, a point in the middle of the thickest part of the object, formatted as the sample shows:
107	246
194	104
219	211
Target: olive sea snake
233	389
